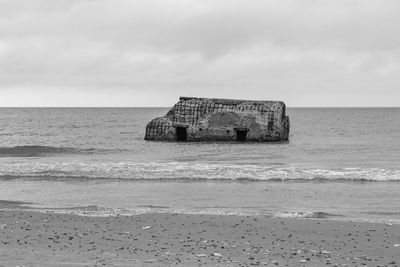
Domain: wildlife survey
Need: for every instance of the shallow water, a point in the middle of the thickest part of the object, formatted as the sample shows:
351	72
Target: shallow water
340	161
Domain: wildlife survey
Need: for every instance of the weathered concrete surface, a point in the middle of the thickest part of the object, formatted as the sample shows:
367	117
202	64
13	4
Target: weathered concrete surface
209	119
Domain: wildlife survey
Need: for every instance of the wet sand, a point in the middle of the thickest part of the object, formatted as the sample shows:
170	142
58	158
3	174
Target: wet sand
48	239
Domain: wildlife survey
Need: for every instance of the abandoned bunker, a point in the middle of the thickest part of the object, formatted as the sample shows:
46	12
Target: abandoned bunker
209	119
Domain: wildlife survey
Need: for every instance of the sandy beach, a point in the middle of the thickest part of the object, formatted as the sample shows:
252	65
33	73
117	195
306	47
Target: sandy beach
49	239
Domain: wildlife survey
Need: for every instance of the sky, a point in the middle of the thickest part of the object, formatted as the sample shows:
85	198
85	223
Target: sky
150	52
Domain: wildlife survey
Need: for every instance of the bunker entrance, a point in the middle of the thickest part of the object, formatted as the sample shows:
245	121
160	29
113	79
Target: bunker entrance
241	135
181	134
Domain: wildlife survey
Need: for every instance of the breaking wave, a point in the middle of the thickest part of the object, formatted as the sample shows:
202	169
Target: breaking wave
37	151
306	214
189	171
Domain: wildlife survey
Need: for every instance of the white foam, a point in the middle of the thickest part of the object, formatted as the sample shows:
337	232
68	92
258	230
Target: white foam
190	170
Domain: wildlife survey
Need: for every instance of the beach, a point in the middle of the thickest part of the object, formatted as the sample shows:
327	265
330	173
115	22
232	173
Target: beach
80	187
165	239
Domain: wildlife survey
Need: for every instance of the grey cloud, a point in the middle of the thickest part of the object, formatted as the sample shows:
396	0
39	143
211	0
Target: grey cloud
191	43
209	27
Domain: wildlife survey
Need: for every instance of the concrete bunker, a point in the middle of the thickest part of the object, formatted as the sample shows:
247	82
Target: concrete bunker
210	119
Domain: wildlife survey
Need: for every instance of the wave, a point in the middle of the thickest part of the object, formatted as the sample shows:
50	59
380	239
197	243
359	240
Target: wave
306	214
189	171
382	213
11	203
101	211
37	151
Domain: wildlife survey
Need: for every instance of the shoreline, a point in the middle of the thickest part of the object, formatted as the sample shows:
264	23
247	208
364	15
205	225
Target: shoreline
374	202
31	238
94	211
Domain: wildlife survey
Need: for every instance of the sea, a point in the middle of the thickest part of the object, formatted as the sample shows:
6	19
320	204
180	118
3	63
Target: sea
339	164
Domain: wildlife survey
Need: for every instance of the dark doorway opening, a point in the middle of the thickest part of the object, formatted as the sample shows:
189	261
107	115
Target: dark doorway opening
241	135
181	134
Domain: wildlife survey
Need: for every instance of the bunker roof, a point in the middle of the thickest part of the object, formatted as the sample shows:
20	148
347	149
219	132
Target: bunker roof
227	101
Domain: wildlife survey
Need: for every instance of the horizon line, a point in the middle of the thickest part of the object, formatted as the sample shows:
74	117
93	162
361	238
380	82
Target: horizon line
172	106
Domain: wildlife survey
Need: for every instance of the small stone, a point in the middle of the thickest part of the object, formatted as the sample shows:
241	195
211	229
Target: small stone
216	254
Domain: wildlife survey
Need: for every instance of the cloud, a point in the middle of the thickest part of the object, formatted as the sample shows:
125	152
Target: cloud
304	48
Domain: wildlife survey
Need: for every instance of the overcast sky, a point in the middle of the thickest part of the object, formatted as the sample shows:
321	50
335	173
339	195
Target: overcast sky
150	52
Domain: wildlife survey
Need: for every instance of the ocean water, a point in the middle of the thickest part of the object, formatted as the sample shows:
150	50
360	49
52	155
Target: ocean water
340	163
